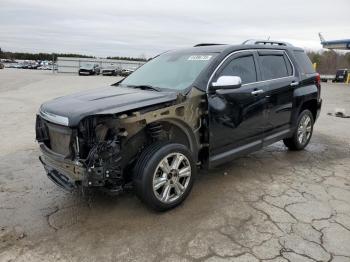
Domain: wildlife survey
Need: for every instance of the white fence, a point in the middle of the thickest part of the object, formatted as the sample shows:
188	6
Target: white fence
72	64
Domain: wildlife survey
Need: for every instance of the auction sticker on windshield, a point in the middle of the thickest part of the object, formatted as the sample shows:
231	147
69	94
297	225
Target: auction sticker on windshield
199	57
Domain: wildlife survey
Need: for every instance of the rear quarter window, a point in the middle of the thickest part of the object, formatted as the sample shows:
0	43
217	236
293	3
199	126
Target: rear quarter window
304	62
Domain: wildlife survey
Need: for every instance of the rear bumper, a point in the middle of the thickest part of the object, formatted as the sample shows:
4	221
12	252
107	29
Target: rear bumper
108	73
85	72
63	172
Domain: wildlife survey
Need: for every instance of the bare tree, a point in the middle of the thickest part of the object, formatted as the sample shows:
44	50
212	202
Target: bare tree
329	61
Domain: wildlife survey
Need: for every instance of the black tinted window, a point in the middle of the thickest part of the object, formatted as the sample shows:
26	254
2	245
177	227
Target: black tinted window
273	66
304	62
243	67
289	66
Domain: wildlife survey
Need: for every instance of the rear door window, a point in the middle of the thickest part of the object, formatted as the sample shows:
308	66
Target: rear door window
244	67
274	66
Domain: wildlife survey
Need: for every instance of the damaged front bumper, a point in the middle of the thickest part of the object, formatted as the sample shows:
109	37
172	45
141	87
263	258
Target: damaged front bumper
63	172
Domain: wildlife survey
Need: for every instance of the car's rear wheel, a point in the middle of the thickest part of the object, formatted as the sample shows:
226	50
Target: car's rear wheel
164	175
303	132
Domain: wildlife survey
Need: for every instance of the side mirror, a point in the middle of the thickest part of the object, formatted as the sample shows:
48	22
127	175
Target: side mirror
227	82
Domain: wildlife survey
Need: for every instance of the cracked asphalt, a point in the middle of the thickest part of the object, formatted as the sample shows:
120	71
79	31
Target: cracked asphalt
272	205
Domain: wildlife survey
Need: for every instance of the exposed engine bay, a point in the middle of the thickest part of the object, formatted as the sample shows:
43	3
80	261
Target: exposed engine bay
101	151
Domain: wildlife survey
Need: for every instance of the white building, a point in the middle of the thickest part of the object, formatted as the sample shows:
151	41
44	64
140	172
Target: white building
72	64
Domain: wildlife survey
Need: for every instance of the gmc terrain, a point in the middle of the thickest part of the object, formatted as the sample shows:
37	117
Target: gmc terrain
183	110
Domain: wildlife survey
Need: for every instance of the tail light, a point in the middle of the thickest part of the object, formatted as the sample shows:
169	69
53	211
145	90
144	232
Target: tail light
318	79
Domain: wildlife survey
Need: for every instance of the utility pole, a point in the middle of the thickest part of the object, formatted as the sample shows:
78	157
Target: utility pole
53	63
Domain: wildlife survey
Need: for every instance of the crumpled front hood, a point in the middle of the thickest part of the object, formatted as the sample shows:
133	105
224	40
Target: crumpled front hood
69	110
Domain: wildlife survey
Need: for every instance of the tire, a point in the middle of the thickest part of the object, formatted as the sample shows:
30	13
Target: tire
302	133
173	186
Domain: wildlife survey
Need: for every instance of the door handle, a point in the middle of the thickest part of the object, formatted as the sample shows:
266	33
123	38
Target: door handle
257	92
294	83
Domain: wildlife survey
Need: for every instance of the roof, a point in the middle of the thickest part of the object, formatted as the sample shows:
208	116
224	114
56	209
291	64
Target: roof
231	48
343	44
346	41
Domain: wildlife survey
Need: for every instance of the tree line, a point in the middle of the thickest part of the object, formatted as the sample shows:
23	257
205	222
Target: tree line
36	56
329	61
53	56
127	58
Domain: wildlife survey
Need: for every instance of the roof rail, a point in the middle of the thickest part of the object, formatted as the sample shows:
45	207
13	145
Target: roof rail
205	44
265	42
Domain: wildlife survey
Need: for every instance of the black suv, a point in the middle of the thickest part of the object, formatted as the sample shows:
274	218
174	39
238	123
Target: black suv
183	110
341	75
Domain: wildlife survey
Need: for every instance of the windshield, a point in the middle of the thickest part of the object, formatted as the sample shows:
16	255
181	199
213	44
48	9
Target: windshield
87	65
173	70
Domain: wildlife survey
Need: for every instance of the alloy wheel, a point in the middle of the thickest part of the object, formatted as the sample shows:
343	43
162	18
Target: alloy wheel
171	177
304	129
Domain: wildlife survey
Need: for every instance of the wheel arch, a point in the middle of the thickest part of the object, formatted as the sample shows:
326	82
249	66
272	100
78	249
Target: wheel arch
310	105
180	126
176	130
305	98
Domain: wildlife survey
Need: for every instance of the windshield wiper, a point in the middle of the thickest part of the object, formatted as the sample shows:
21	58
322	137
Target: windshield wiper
144	87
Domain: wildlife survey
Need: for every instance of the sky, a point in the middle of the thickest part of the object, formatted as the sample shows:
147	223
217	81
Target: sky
145	28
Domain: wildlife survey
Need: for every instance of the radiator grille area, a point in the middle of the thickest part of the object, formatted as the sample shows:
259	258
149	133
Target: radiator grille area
60	137
56	137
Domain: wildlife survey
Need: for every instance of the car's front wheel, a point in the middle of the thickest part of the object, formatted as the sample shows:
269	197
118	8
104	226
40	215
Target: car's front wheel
303	132
164	175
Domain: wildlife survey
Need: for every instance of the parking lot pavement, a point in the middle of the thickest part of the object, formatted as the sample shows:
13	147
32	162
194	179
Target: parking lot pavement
273	205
